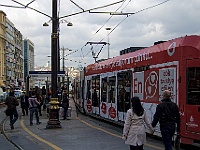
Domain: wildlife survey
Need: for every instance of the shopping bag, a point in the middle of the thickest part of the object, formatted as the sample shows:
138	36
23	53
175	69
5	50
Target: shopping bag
177	143
7	112
69	112
61	112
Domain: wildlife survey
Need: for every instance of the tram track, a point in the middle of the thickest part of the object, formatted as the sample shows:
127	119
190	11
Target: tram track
2	128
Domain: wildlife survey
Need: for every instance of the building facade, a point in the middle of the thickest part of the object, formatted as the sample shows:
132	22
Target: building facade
11	54
28	59
2	48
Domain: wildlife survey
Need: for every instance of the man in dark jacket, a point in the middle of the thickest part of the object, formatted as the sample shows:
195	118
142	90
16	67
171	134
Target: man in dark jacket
11	103
65	104
24	103
167	114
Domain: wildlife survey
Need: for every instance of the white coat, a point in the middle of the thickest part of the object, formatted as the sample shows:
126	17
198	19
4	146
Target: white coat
134	129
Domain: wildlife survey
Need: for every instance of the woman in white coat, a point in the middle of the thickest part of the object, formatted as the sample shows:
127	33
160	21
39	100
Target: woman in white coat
134	126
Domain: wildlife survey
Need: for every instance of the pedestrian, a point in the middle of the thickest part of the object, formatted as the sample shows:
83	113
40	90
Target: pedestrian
33	107
134	127
167	114
38	93
65	104
24	103
44	97
11	103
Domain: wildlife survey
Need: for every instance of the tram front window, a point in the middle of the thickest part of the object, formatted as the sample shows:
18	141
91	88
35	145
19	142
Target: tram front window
193	89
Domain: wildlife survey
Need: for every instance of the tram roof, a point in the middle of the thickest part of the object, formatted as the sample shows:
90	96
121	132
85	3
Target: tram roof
186	41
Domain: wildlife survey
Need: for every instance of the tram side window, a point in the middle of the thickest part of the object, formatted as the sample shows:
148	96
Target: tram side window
193	89
88	96
95	90
121	96
124	90
111	90
104	90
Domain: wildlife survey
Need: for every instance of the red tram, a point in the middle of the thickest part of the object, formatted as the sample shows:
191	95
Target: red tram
106	87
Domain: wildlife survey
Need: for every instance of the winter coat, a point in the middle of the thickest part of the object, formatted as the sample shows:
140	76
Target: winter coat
167	114
24	104
33	102
134	129
11	102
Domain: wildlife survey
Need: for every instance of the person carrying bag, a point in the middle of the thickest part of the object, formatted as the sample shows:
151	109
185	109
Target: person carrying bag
11	110
134	126
65	104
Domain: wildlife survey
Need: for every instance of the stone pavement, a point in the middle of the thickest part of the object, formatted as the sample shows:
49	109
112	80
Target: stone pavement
5	144
77	133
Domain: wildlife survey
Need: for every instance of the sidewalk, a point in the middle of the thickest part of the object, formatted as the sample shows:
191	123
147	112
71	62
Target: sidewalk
37	136
77	133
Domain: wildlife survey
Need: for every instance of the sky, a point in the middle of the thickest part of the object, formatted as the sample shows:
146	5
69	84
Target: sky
148	21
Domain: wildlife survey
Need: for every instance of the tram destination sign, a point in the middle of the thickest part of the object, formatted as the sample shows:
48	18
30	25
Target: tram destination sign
36	74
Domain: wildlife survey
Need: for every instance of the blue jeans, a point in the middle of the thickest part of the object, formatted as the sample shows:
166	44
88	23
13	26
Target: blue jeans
167	133
13	113
32	111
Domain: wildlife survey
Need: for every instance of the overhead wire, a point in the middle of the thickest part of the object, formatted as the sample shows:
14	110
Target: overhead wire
131	15
101	28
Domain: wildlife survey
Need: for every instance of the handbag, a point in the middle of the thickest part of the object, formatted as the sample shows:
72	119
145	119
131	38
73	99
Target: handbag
177	143
7	112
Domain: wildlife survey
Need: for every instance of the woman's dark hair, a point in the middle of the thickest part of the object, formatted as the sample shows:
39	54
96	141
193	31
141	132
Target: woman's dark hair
136	106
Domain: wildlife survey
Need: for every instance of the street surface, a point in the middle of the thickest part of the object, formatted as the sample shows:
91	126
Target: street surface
77	133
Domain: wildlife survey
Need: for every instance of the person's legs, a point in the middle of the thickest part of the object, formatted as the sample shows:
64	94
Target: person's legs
15	113
23	111
65	113
167	134
36	116
133	147
26	111
31	116
11	118
39	109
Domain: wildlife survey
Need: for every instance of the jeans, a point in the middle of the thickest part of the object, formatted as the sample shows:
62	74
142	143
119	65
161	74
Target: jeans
13	112
32	111
167	133
65	112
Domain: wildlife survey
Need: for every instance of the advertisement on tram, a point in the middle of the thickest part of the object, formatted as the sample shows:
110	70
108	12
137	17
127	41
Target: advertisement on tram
173	65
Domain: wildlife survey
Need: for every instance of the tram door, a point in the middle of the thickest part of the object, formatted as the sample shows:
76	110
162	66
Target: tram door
193	96
103	99
95	94
111	93
88	95
123	93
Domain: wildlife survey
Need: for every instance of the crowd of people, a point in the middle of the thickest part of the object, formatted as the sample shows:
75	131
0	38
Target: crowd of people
32	104
134	131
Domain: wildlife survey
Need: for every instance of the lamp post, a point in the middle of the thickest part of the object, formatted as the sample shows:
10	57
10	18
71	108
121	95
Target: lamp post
54	108
108	43
58	31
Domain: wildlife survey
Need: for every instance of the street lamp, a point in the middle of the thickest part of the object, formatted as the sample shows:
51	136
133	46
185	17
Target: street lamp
58	31
54	108
108	43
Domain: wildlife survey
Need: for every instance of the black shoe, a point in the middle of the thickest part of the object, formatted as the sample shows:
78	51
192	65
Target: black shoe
31	124
12	127
38	123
